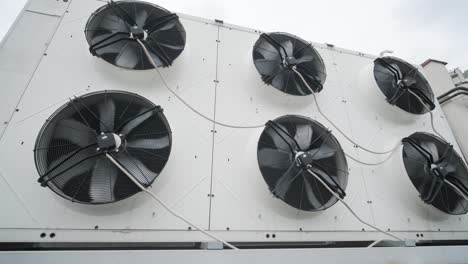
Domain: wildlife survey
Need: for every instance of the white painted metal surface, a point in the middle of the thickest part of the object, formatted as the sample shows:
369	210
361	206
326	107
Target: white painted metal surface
215	74
426	255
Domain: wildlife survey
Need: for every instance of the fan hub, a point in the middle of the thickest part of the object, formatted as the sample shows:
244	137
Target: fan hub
289	62
138	33
109	142
438	171
304	159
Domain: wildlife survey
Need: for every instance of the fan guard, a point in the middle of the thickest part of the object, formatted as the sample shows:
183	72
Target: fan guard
288	147
429	161
276	54
113	30
403	85
71	146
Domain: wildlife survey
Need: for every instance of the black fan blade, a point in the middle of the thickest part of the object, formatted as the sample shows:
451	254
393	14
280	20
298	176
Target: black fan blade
67	172
283	184
139	170
306	59
322	152
129	56
138	120
268	66
106	113
289	47
313	193
102	181
275	159
150	143
303	135
75	132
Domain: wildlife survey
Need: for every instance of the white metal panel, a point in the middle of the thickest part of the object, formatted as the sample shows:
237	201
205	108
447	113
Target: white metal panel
427	255
20	53
48	7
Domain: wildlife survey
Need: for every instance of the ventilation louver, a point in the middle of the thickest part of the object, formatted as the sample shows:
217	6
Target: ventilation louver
403	85
71	146
437	171
291	145
275	55
113	30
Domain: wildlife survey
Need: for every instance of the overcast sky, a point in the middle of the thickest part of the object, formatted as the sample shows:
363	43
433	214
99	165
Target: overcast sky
414	29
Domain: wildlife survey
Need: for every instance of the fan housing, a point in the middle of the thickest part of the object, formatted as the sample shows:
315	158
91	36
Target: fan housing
430	162
403	85
275	55
112	32
70	150
291	145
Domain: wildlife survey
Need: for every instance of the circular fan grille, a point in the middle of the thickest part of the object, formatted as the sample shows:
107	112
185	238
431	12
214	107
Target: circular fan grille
275	55
430	163
113	29
71	146
291	145
403	85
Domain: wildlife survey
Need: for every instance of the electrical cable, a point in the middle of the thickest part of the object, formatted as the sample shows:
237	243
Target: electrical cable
181	99
334	125
430	113
155	197
371	164
456	189
349	208
375	243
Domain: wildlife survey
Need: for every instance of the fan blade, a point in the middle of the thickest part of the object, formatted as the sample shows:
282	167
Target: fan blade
267	54
129	56
103	179
137	121
281	80
276	159
75	132
106	112
303	135
432	148
154	54
150	143
62	175
137	169
313	193
322	152
279	142
175	47
305	58
288	46
284	182
267	66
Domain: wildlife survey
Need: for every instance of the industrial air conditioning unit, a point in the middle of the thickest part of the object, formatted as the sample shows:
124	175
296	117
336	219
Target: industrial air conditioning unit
249	136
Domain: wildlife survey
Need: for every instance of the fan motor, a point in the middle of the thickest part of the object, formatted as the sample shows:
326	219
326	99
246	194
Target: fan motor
109	142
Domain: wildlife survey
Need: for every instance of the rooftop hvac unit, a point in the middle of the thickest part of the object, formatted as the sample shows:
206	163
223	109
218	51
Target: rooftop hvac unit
109	140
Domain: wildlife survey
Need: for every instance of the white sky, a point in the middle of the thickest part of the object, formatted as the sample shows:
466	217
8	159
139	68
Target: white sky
414	29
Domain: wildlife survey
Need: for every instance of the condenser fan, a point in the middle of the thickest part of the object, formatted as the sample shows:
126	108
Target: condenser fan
113	30
290	146
70	151
403	85
437	172
276	54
